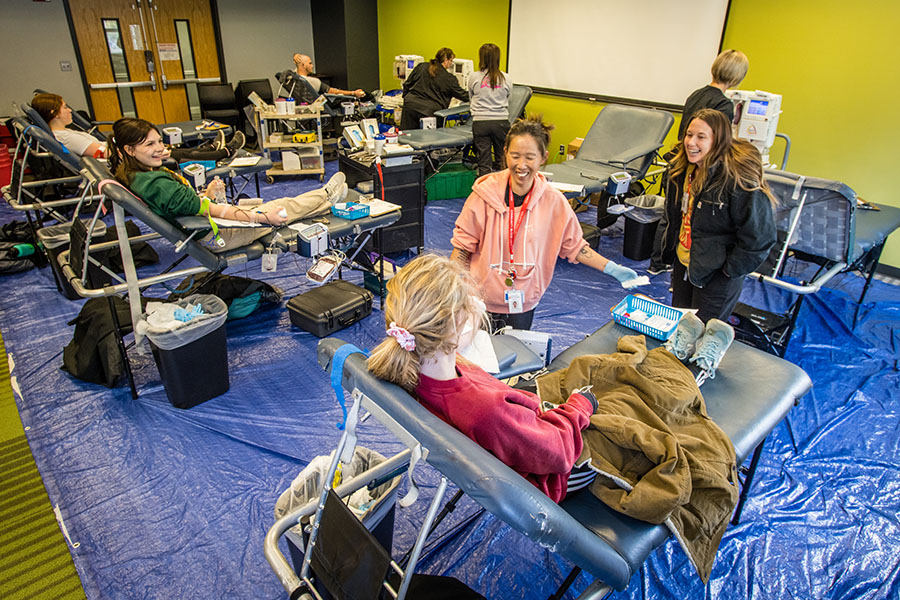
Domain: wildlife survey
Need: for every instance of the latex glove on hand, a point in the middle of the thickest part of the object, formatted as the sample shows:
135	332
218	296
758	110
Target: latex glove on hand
627	277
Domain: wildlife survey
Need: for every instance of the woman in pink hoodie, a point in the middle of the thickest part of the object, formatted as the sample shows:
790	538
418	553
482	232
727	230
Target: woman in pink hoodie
513	227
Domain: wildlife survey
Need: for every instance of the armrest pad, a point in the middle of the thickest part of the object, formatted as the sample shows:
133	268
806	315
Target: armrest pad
452	112
193	222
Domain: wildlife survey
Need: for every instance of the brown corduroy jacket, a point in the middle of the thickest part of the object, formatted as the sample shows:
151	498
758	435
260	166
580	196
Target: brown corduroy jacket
660	456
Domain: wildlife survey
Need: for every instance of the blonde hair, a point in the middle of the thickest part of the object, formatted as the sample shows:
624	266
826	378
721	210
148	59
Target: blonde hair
429	298
740	159
730	67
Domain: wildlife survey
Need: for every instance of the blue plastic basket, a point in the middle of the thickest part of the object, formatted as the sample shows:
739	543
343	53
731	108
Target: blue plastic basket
650	307
351	211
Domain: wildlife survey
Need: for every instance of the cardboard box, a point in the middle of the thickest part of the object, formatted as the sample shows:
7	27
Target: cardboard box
573	148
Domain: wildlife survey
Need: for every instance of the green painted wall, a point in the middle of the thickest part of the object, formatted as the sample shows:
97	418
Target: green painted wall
835	66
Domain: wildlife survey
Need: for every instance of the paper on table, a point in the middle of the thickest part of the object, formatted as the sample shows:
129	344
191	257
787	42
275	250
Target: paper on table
244	161
380	207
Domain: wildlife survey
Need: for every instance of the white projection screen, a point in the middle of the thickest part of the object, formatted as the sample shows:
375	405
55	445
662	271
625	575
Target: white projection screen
653	52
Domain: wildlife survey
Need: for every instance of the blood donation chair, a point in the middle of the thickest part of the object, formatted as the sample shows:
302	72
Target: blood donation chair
75	262
622	138
751	394
55	180
820	221
461	136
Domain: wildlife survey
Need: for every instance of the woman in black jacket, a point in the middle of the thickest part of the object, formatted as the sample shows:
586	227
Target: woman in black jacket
721	224
429	88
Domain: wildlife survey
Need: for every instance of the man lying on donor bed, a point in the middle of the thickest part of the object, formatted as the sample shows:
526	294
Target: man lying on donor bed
635	419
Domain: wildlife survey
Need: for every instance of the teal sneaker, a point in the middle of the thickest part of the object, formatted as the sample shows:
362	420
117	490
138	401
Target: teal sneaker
684	339
712	347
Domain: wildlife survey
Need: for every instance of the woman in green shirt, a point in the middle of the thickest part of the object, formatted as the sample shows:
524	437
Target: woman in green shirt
136	154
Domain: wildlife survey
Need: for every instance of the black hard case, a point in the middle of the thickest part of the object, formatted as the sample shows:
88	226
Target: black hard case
335	305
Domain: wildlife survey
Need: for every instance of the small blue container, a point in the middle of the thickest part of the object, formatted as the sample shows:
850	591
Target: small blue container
351	211
630	304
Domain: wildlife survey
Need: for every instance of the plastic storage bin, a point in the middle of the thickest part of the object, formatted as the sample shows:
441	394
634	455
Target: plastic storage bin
647	316
453	181
192	359
55	239
640	228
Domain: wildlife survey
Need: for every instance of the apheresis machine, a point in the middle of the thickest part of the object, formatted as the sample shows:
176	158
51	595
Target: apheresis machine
404	64
756	118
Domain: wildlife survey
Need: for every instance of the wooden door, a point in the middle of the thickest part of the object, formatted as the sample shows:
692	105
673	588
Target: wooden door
144	58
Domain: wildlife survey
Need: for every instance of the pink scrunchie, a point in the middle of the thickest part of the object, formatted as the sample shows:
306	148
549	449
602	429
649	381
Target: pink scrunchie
406	340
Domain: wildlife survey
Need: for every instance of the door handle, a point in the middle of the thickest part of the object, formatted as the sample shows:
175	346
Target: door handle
167	82
125	84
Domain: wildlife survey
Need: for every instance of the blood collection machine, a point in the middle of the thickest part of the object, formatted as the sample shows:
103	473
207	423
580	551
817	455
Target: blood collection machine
404	64
756	118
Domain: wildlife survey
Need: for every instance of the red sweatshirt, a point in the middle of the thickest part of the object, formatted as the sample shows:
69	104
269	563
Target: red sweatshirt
540	446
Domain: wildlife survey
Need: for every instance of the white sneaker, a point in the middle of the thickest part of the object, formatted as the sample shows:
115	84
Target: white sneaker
336	188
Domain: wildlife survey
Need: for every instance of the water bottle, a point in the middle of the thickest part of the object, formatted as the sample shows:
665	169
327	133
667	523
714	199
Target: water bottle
219	195
20	251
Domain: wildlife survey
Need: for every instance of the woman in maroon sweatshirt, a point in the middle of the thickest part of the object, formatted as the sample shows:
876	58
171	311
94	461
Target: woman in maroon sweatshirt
429	305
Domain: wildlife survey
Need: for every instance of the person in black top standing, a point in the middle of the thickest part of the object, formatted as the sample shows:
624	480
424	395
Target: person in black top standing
728	71
429	88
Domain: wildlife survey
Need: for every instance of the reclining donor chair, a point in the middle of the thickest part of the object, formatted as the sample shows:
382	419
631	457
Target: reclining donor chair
184	236
751	394
457	138
622	138
821	221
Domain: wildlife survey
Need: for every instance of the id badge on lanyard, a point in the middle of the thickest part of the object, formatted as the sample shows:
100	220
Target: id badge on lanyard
686	197
514	298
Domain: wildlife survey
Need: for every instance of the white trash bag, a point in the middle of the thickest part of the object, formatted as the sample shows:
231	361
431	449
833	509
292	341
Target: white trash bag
171	325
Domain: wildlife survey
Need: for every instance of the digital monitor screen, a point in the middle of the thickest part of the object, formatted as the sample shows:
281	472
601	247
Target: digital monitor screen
758	107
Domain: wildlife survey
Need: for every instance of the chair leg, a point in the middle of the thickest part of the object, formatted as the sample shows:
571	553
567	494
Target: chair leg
121	344
448	508
874	258
566	584
748	481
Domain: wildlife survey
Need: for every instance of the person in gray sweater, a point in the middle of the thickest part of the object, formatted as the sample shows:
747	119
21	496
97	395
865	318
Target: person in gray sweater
489	90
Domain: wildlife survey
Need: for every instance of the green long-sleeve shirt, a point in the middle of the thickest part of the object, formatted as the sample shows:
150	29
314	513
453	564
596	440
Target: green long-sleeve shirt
165	195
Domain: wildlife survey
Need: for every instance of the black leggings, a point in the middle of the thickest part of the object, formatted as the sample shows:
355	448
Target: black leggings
487	135
715	300
204	152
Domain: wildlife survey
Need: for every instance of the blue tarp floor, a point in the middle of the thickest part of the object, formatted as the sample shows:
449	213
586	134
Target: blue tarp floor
169	503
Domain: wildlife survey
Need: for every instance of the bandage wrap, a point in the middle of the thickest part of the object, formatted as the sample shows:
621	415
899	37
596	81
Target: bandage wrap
406	340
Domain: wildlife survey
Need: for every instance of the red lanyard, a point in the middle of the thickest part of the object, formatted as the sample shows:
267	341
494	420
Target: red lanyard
514	229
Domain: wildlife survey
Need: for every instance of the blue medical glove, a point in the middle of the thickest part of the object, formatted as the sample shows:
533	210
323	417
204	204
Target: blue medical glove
621	273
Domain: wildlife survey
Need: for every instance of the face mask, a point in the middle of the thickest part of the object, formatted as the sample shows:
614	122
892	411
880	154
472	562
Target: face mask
480	350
